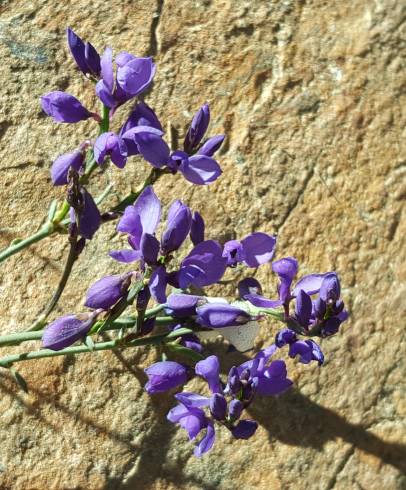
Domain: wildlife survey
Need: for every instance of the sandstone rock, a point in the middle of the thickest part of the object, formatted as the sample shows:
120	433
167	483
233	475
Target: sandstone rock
310	95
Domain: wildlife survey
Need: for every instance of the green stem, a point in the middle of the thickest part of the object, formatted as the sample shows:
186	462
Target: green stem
7	361
42	233
127	322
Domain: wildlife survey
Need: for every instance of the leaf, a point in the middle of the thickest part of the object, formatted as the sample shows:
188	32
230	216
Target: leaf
19	379
52	210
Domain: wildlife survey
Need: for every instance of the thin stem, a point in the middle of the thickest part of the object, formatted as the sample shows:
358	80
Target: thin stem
125	322
17	246
7	361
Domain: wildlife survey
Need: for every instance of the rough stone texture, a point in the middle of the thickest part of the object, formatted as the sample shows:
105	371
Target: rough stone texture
311	95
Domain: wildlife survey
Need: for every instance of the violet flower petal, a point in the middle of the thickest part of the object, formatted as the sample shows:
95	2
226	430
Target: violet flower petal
125	256
258	248
64	331
310	284
157	284
206	442
149	247
178	227
197	129
244	429
219	315
105	292
164	375
63	107
201	170
136	75
209	369
61	166
197	228
303	308
211	145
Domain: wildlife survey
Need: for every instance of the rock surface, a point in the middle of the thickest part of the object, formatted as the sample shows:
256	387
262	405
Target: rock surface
311	95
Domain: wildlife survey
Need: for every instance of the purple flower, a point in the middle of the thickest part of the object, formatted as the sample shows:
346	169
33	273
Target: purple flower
141	115
165	375
197	169
218	406
244	429
112	145
197	129
61	166
66	330
147	141
210	147
254	250
134	76
105	292
219	315
89	216
178	227
85	55
203	266
189	340
307	350
197	229
63	107
183	305
209	369
193	419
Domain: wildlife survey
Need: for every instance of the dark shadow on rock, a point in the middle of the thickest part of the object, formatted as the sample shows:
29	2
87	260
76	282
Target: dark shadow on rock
296	420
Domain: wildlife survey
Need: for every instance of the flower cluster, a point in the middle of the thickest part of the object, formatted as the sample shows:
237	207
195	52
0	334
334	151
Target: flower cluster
171	263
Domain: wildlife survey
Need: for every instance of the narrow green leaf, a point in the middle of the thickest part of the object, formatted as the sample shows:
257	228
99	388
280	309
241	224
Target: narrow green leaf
181	350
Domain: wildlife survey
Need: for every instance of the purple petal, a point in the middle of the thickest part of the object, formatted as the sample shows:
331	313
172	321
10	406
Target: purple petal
207	442
285	336
203	266
105	292
77	49
178	227
106	64
211	145
64	331
149	143
104	94
209	369
192	399
286	268
157	284
141	115
149	247
197	128
123	58
177	413
61	166
249	285
303	308
165	375
92	59
136	75
197	229
330	288
110	144
244	429
63	107
182	305
142	217
310	284
258	248
125	256
90	219
219	315
262	302
201	170
218	406
193	423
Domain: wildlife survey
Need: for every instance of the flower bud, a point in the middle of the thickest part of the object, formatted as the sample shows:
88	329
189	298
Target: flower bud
235	409
105	292
63	107
66	330
218	406
163	376
218	315
244	429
